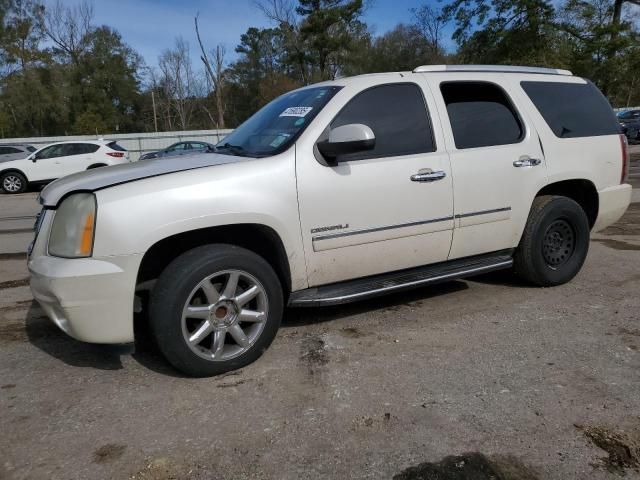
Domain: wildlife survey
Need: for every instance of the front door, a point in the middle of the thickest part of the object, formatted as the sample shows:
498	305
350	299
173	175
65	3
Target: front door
496	158
380	210
47	164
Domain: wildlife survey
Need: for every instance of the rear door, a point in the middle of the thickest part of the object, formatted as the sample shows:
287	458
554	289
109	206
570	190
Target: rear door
365	215
496	157
76	158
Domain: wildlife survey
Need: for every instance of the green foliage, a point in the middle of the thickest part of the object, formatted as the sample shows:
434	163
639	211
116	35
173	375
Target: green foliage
60	74
326	29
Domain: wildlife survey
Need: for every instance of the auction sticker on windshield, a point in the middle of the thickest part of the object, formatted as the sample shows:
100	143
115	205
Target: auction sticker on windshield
296	111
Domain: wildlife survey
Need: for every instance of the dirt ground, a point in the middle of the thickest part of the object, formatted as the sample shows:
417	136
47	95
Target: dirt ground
479	379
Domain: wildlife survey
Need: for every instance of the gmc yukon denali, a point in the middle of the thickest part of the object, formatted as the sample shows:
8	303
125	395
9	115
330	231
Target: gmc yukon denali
333	193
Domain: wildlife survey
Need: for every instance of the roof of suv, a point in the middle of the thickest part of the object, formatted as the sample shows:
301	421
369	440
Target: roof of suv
514	69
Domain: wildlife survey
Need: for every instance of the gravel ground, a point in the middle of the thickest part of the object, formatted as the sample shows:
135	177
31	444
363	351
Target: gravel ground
476	379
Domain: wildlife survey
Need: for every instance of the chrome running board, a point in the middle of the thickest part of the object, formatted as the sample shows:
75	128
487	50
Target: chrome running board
367	287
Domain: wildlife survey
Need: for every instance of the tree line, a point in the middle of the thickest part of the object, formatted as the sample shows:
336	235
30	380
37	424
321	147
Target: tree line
63	73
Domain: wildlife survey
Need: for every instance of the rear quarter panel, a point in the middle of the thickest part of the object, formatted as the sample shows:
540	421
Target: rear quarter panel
597	159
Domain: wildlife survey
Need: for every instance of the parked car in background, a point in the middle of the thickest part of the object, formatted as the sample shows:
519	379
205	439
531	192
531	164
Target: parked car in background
630	123
58	160
333	193
180	148
15	151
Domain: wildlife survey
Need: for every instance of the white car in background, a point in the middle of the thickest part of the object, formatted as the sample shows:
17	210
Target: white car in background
58	160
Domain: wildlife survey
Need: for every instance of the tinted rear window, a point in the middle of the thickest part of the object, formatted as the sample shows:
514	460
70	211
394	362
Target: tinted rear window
573	110
481	115
115	146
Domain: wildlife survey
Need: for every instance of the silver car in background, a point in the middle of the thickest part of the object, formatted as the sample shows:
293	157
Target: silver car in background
15	151
180	148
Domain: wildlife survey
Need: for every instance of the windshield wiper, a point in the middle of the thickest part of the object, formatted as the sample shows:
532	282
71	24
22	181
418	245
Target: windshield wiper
233	149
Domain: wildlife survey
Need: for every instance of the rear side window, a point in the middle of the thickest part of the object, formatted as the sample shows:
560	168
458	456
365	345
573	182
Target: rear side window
573	110
89	147
398	116
481	115
31	149
9	150
115	146
79	148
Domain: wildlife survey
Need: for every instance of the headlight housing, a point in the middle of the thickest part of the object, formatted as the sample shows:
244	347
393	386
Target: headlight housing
74	226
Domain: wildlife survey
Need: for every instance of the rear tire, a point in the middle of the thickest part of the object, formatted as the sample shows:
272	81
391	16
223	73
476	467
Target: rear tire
555	242
215	308
13	182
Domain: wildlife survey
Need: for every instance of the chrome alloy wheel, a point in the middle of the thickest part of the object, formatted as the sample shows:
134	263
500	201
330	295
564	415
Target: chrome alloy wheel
224	315
12	183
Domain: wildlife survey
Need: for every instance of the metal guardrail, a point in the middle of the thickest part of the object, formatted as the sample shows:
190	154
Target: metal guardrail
135	143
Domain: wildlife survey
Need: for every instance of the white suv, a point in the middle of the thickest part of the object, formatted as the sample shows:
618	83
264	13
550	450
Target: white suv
332	193
57	160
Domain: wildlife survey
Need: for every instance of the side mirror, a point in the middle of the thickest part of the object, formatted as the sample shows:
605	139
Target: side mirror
351	138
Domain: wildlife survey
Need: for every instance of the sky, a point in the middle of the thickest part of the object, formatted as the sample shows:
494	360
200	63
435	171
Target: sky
150	26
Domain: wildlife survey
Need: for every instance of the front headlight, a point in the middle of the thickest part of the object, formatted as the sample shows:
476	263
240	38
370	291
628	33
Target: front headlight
73	227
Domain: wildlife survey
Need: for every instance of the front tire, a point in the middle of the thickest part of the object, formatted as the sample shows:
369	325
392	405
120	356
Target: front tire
555	242
215	308
13	182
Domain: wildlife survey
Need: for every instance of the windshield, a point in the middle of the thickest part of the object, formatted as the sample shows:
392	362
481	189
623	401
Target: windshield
277	125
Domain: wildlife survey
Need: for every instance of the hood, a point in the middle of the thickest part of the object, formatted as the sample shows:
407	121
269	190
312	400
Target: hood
99	178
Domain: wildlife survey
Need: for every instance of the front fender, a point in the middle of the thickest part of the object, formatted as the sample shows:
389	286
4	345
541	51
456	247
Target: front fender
134	216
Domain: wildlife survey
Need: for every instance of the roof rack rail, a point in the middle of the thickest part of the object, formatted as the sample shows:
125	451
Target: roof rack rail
490	68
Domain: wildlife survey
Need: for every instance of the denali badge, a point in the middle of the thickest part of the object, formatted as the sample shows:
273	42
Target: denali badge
327	229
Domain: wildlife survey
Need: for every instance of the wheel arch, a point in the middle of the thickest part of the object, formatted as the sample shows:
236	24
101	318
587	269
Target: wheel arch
582	191
13	169
260	239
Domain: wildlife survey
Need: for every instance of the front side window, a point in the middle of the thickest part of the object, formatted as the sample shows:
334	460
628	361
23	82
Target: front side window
481	115
398	117
277	125
573	110
53	151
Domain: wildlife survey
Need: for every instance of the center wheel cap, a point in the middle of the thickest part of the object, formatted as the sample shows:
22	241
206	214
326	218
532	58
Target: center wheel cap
223	314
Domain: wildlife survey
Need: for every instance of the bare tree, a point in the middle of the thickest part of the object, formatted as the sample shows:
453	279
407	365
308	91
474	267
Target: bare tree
215	71
178	82
617	9
278	11
69	27
431	23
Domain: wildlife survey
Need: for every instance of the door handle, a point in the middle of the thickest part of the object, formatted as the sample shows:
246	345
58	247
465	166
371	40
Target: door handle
428	176
526	161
